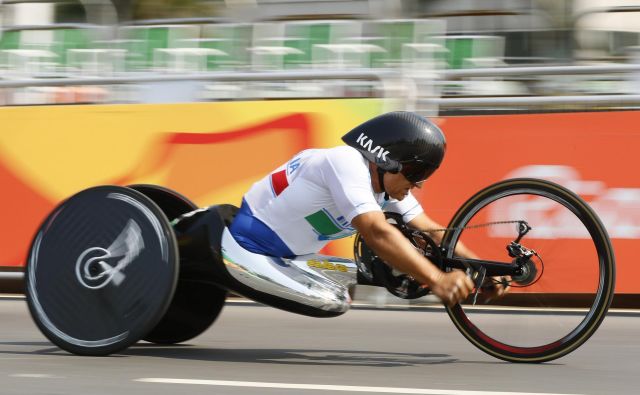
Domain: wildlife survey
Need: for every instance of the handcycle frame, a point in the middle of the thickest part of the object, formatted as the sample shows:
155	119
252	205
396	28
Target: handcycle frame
202	262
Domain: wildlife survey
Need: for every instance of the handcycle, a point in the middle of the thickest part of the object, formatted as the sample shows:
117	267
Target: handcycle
113	265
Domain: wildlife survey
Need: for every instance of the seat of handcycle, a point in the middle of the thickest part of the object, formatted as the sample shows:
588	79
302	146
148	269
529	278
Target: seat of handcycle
301	284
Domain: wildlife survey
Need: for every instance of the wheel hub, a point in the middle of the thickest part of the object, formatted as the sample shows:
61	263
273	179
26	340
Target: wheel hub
528	271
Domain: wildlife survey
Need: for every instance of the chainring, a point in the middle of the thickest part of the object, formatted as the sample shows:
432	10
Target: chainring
374	269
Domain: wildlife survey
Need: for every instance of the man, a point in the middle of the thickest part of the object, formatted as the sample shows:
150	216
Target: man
325	194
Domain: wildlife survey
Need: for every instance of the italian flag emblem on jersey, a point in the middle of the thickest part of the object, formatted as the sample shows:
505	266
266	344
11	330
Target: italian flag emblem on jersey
323	223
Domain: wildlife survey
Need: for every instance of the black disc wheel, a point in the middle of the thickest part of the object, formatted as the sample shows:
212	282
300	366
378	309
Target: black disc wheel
566	270
197	300
102	270
194	308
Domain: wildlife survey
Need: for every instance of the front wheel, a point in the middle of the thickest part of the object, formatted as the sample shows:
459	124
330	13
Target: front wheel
562	291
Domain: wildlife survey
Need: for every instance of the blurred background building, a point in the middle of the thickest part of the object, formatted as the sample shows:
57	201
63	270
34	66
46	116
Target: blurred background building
439	55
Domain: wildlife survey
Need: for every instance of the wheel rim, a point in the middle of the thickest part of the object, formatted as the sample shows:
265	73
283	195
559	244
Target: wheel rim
529	324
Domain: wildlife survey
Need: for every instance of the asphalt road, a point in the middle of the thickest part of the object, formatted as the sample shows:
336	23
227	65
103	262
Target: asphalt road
259	350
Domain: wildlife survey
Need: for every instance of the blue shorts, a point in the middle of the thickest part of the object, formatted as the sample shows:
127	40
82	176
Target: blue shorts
255	236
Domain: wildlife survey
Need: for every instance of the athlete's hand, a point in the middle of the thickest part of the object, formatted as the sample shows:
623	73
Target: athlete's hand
452	287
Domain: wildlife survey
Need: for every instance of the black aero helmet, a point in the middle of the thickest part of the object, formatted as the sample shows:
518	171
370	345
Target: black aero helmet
400	141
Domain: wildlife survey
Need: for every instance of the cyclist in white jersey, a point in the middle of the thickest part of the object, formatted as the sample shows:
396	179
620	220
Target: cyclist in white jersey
325	194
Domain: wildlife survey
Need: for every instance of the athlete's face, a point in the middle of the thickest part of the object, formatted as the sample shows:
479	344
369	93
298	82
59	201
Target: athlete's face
397	186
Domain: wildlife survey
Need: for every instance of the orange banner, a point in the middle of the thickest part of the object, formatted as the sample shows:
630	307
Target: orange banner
593	154
213	152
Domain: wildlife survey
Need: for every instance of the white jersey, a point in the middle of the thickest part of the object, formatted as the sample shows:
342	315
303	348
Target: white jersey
312	199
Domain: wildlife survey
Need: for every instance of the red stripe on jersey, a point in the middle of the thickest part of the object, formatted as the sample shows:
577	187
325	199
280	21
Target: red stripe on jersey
279	181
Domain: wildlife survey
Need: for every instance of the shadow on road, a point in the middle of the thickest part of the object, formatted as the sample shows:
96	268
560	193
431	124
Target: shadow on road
266	356
290	356
271	356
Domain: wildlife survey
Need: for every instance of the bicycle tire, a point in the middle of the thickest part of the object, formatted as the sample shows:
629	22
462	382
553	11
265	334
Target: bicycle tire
596	306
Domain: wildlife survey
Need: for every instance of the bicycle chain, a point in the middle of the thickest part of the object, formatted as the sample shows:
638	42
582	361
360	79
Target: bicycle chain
485	225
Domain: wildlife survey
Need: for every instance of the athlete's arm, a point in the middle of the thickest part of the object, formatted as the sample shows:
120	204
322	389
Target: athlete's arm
392	247
424	223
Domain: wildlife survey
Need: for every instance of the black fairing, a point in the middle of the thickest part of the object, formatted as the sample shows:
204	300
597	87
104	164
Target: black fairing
407	137
199	239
